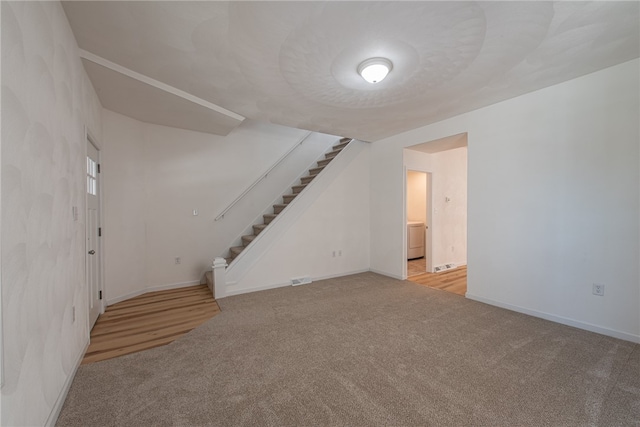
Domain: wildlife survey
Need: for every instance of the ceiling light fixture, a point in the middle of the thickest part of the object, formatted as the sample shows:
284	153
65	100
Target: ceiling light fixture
374	70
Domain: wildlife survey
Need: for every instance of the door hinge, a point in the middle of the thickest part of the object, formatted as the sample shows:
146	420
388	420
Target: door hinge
99	231
98	167
99	294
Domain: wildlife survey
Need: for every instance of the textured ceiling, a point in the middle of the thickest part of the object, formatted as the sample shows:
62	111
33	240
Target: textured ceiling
294	63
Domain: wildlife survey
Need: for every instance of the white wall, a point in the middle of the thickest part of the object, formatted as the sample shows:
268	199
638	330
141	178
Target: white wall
332	215
553	200
449	221
47	100
155	176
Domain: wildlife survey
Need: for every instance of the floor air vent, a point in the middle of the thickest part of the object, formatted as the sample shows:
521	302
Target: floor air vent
445	267
300	281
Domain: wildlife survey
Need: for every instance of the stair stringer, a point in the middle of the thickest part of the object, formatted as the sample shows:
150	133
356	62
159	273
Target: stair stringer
298	206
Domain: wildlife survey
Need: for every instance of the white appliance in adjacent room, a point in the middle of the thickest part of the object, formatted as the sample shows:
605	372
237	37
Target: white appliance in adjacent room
415	239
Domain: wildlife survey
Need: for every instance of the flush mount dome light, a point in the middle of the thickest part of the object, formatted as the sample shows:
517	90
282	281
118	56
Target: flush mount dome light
374	70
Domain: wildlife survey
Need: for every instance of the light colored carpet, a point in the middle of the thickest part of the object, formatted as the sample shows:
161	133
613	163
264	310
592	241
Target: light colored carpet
365	350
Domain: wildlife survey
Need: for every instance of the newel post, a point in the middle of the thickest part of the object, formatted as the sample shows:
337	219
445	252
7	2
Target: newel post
219	277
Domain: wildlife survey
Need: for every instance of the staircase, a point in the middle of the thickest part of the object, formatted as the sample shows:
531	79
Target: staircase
287	198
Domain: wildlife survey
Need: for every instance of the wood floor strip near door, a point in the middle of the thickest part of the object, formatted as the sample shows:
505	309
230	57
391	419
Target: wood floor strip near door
109	334
161	306
148	321
454	281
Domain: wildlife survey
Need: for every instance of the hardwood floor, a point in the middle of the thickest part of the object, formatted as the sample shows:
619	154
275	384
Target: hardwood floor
148	321
454	281
415	267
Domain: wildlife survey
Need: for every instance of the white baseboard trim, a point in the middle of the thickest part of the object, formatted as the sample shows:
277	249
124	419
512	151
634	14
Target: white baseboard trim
559	319
231	292
153	289
333	276
57	407
384	273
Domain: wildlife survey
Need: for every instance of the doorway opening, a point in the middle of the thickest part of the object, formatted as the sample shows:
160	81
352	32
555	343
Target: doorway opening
435	204
419	251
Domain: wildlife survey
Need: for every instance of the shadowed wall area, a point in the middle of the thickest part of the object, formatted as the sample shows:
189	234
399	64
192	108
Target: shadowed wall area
365	350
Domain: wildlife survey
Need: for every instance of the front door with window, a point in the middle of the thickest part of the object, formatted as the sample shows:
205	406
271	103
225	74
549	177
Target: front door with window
93	225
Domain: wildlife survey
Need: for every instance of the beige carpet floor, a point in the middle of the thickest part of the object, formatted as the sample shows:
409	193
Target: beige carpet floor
365	350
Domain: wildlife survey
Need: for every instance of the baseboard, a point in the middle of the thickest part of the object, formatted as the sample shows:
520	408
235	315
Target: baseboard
348	273
288	283
153	289
232	292
384	273
57	407
559	319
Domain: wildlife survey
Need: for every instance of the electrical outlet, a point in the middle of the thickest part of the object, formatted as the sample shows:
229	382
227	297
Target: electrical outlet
598	289
195	212
178	260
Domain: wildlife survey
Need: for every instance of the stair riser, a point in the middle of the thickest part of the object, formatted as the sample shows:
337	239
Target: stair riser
277	209
323	163
288	198
307	179
331	154
315	171
246	241
340	146
297	189
268	219
257	229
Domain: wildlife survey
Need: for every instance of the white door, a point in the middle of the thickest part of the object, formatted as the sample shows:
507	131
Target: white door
93	231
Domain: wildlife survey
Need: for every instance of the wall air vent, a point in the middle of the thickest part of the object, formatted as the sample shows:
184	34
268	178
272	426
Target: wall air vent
300	281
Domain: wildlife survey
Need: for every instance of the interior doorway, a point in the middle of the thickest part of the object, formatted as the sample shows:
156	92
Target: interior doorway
93	233
435	196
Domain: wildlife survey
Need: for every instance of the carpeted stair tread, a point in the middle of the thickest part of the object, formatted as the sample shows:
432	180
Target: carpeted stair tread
287	198
316	170
235	251
298	188
257	228
268	218
324	162
307	179
278	208
247	239
341	145
332	154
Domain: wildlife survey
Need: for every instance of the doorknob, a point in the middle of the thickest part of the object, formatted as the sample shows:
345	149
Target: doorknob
92	252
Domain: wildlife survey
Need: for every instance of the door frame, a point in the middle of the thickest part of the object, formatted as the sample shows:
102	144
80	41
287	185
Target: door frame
91	139
428	241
